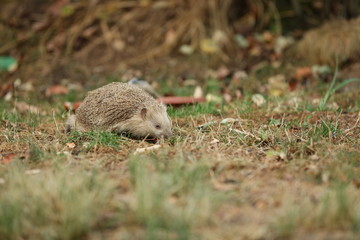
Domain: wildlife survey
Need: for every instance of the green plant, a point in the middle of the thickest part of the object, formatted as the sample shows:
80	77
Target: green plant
171	196
194	110
95	138
332	88
52	204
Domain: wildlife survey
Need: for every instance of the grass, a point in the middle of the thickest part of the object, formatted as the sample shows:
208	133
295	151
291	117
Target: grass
336	210
56	203
195	110
281	171
94	139
171	190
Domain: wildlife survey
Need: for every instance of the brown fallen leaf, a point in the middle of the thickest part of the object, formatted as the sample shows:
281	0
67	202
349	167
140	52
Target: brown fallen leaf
8	158
223	72
146	149
170	37
222	186
214	141
5	88
227	97
302	73
71	106
277	85
56	90
25	107
76	105
71	145
57	42
32	171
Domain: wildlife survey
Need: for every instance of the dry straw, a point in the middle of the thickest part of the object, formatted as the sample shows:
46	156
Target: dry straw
337	39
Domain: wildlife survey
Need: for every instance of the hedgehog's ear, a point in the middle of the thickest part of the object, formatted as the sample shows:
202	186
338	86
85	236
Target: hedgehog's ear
143	113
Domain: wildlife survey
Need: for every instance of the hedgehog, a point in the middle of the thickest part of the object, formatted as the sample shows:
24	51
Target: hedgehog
121	108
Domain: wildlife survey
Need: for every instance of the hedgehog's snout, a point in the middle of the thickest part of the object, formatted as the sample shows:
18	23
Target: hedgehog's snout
167	133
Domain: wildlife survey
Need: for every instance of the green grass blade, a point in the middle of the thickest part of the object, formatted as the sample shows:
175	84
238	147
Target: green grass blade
330	90
346	82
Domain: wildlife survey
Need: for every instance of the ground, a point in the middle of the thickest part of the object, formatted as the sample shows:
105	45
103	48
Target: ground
287	169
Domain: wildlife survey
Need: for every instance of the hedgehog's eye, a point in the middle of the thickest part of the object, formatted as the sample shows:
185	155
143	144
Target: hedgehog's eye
157	126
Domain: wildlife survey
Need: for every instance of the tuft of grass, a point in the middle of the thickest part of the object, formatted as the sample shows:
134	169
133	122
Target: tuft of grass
337	209
344	168
326	129
172	198
52	204
92	139
36	153
194	110
332	88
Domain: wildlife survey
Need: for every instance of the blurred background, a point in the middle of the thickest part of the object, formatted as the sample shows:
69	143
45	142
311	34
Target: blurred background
77	44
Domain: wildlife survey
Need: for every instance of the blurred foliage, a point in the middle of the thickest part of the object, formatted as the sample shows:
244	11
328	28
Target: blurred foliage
115	34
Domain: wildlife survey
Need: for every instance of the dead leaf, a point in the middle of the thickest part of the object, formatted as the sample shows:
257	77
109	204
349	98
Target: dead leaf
295	102
227	97
119	45
76	105
220	37
282	43
26	87
238	76
268	36
23	107
57	42
55	8
206	125
213	98
32	171
277	85
6	88
223	72
238	94
147	149
208	46
8	123
258	99
56	90
222	186
170	37
90	31
8	158
186	49
229	120
302	73
356	183
198	93
68	106
71	145
214	141
38	26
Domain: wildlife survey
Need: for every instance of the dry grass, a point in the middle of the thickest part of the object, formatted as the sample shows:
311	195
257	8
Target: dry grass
285	175
339	39
119	27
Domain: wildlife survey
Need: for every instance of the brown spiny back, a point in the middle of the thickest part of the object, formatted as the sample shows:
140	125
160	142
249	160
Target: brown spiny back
111	104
